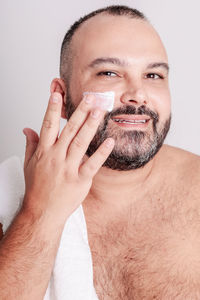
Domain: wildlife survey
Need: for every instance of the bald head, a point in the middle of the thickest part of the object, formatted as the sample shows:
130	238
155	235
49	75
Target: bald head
66	56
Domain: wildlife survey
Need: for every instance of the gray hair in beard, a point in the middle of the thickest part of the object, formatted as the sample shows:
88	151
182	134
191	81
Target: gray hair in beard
120	159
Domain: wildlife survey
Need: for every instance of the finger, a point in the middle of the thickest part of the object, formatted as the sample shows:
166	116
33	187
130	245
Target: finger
32	140
95	162
51	122
83	138
74	123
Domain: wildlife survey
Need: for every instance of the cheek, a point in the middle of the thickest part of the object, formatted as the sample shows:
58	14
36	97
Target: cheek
161	103
76	92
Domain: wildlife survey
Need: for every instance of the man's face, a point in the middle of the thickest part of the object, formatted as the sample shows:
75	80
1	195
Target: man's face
124	55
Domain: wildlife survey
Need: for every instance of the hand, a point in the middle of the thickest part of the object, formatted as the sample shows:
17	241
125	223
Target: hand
57	180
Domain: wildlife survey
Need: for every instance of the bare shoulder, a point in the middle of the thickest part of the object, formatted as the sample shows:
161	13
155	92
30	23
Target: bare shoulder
182	169
181	159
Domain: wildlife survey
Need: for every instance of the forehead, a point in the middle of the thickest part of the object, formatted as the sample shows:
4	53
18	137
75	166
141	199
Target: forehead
120	36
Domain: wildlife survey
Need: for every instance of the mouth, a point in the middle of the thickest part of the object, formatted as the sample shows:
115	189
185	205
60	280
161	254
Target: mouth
132	120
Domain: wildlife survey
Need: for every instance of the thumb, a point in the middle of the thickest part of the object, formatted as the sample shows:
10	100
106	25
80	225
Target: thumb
32	140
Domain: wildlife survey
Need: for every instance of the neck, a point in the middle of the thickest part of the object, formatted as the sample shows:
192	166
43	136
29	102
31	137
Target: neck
112	189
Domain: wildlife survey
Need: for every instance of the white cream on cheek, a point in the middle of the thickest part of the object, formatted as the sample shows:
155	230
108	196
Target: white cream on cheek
104	100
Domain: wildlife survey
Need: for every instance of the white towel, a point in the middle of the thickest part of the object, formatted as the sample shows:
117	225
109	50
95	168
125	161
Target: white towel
72	275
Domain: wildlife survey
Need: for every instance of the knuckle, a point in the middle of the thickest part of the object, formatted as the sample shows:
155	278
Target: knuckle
90	128
47	123
69	175
103	151
53	107
71	126
66	175
88	171
39	152
78	143
53	162
89	125
28	143
91	169
46	163
84	107
92	122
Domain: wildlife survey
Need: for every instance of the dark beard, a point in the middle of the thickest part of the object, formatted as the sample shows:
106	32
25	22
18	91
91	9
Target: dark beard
139	147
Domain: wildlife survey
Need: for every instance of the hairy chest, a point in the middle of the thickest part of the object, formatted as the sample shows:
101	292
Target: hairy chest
157	257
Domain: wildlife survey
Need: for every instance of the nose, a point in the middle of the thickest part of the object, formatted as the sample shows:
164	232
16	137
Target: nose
135	95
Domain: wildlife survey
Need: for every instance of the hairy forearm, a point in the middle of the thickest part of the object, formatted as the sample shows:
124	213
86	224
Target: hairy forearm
27	254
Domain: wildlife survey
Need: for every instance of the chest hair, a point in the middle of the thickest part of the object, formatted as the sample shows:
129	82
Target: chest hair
154	257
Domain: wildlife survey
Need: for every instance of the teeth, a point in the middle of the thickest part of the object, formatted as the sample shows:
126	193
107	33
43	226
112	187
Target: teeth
130	122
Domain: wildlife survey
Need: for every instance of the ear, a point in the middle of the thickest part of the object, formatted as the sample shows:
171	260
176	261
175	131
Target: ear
58	85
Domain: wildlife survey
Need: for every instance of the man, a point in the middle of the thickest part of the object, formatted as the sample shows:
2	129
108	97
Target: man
141	199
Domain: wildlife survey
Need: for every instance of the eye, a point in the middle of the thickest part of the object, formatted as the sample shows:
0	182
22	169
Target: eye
107	73
154	76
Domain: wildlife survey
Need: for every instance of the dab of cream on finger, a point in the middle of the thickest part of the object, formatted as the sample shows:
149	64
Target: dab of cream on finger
104	101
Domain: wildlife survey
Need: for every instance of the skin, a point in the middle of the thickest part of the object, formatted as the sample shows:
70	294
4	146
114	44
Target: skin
33	239
131	85
147	195
107	210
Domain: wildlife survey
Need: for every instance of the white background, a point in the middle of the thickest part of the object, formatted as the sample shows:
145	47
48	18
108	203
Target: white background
31	34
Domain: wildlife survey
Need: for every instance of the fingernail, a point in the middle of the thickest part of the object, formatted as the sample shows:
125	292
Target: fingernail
55	98
88	99
95	113
109	142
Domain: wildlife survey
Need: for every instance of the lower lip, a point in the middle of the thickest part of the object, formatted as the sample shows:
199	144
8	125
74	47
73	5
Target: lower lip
136	125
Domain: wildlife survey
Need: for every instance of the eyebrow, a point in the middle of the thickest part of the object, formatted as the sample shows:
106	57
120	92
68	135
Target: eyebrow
158	65
122	63
108	60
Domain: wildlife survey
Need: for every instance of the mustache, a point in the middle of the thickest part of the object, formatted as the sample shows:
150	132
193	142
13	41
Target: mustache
131	110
